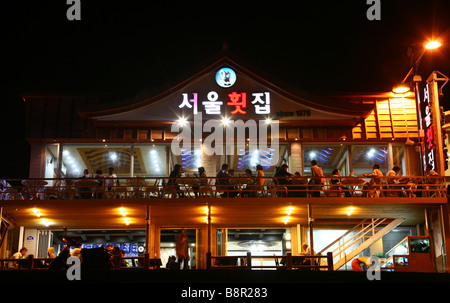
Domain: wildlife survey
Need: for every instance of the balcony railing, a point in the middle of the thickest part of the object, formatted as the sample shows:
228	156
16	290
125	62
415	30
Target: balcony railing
233	187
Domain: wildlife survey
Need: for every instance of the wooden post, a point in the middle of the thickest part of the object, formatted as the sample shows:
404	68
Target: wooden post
289	261
209	227
249	260
147	239
310	223
330	261
208	260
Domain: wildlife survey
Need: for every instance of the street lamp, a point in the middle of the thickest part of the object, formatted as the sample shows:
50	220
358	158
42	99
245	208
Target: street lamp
405	87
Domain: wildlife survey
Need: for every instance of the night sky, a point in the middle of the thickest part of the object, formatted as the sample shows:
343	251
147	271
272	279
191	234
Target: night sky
122	48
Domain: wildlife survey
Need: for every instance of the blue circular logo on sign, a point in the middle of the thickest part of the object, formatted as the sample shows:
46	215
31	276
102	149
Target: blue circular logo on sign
225	77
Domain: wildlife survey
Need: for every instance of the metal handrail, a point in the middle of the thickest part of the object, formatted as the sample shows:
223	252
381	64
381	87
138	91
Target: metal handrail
358	236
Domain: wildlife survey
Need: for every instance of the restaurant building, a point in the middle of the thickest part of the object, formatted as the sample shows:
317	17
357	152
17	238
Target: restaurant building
69	133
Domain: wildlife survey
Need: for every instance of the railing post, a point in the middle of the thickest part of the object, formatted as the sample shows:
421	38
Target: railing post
31	260
146	260
289	261
208	260
330	261
249	260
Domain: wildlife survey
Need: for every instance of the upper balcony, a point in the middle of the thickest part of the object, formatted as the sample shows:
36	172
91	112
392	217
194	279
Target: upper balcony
102	203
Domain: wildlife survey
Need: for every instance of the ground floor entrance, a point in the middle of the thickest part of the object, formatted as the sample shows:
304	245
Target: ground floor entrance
263	243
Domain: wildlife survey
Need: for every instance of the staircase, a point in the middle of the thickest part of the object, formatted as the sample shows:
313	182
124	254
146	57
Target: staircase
365	233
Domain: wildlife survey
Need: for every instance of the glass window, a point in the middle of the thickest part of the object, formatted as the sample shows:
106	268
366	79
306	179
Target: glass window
328	157
93	157
51	162
365	156
150	160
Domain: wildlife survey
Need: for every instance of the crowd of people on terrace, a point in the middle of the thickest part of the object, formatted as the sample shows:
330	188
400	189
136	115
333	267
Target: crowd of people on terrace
228	184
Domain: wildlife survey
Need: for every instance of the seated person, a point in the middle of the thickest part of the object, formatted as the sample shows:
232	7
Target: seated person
392	181
298	186
376	176
172	182
203	181
250	189
336	183
281	178
223	183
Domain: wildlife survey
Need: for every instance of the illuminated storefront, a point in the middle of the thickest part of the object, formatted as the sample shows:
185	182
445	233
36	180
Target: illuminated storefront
202	116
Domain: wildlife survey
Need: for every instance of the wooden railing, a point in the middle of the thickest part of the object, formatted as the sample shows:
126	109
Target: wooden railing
283	262
32	263
233	187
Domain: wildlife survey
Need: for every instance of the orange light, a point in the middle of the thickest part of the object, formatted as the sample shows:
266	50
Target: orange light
400	89
289	210
350	211
432	45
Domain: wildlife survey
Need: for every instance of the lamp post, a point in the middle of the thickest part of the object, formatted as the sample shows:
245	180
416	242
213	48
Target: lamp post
405	87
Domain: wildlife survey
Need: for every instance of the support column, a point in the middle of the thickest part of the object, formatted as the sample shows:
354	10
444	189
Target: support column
59	160
295	158
132	160
310	224
390	156
147	238
445	235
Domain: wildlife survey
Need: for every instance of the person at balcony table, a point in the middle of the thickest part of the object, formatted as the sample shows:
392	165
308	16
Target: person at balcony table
282	174
203	181
111	179
250	190
394	182
298	186
223	181
85	174
316	178
433	180
172	182
281	177
260	180
85	192
432	173
100	178
375	181
233	190
336	182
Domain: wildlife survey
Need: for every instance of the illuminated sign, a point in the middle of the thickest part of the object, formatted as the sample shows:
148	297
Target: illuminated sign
233	103
225	77
429	145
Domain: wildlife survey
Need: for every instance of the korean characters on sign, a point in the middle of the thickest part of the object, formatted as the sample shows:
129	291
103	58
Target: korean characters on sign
429	145
233	103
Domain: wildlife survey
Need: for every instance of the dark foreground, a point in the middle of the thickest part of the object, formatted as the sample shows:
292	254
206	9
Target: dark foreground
228	284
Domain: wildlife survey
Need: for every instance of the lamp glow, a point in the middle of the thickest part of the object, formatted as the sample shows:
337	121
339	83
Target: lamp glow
182	121
400	89
225	121
432	45
350	211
